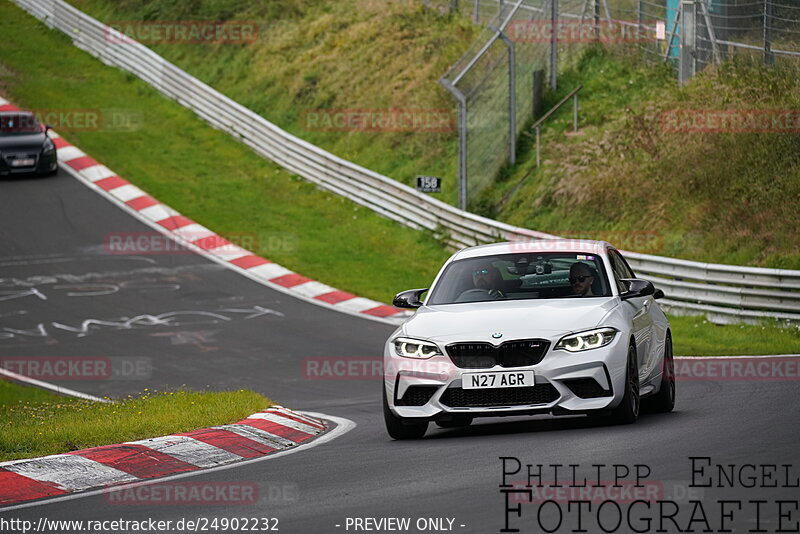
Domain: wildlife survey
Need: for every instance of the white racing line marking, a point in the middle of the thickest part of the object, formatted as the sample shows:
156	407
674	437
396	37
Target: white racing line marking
343	426
51	387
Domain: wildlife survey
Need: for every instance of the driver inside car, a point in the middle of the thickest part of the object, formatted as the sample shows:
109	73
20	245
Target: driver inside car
489	278
581	278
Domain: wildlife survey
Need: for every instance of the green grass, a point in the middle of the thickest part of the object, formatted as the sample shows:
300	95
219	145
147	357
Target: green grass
37	423
695	336
202	173
208	176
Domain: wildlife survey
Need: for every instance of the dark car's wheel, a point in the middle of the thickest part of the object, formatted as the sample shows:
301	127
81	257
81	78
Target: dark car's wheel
664	400
401	427
628	410
457	421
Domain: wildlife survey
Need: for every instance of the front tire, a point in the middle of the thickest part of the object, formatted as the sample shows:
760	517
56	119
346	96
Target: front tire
401	427
628	410
664	400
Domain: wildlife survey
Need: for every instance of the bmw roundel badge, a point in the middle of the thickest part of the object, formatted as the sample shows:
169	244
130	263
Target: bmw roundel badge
497	335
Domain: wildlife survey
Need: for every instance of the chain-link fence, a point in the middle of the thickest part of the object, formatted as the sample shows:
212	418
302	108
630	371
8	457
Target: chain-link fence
498	80
526	42
692	34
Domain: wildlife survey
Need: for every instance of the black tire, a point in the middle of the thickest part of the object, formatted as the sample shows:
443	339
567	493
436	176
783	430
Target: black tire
457	421
401	427
628	410
664	400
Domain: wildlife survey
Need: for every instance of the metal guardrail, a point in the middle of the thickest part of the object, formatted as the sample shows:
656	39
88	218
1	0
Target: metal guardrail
724	292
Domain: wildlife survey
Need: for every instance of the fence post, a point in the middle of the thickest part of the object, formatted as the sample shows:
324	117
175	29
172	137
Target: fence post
639	18
462	141
575	113
769	57
686	63
554	45
512	99
597	20
538	91
477	11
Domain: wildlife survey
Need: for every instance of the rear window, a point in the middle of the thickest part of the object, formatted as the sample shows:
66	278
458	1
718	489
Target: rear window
520	277
19	124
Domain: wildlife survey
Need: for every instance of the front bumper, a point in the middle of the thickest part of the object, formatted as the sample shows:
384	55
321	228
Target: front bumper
565	383
44	163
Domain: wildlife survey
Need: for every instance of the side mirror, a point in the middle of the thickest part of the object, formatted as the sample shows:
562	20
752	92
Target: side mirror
409	299
658	294
637	288
47	128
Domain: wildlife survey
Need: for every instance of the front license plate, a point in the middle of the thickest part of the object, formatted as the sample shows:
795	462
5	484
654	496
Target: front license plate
23	162
503	379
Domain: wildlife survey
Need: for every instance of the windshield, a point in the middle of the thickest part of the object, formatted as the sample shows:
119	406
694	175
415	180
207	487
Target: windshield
521	276
19	124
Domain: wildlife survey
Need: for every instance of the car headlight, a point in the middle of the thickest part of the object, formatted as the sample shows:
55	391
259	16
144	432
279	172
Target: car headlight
415	348
593	339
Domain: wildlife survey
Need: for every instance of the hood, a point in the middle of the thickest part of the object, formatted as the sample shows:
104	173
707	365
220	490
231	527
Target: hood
22	143
477	321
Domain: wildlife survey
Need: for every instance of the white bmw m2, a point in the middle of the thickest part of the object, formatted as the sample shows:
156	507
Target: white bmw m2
544	327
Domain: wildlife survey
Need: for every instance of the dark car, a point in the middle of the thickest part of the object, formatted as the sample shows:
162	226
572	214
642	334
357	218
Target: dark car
25	146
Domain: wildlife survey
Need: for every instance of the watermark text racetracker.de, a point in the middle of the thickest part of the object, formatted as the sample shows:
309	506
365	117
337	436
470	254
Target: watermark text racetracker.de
379	120
79	368
578	31
371	368
203	493
731	121
739	369
181	32
66	120
157	244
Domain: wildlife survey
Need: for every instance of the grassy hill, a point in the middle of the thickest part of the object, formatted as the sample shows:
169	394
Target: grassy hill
326	55
718	197
730	198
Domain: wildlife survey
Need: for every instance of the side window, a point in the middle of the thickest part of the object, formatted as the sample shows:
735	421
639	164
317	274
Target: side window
620	269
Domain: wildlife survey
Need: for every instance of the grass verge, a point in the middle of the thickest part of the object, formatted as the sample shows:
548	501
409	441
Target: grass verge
37	423
696	336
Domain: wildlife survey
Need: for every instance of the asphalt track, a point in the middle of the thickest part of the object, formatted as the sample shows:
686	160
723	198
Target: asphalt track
200	325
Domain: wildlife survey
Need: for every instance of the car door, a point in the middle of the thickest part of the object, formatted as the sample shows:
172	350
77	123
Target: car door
639	308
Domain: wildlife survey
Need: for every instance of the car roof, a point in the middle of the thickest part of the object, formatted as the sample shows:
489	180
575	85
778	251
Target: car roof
539	245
